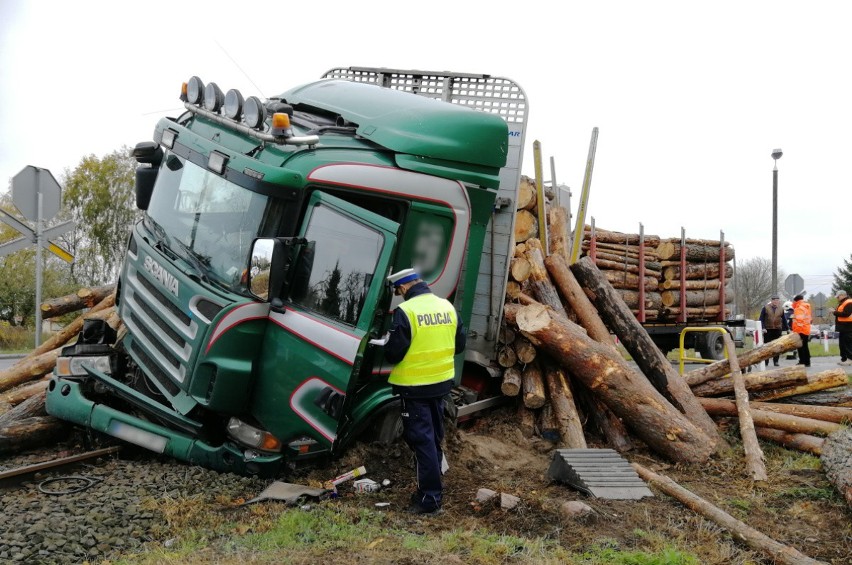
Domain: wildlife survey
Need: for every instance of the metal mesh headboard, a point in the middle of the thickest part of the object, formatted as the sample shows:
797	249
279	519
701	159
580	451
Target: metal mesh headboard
496	95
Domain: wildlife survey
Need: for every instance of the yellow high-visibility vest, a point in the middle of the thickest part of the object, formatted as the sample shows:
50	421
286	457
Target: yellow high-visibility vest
429	358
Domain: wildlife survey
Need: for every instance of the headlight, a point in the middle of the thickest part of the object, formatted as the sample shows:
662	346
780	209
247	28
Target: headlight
252	437
76	366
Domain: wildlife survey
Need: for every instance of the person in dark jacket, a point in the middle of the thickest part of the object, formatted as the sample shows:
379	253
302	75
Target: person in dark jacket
773	321
843	325
425	336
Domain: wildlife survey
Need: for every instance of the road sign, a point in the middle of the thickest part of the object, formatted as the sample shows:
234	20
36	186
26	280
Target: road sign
818	300
30	237
26	187
794	284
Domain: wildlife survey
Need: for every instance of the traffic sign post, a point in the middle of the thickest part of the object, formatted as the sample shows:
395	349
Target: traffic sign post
37	196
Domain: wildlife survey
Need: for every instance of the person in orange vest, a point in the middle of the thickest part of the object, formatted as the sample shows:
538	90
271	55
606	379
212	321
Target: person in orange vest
843	325
426	334
802	326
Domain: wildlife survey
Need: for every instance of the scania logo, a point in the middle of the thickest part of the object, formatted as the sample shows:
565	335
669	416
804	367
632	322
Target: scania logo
166	279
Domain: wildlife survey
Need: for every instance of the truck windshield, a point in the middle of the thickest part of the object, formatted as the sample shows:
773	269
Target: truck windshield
207	220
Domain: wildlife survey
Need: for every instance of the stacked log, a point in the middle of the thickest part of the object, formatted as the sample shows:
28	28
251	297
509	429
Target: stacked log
23	385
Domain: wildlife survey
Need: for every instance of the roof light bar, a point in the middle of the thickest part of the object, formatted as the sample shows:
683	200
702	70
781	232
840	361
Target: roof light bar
194	91
254	112
213	97
233	104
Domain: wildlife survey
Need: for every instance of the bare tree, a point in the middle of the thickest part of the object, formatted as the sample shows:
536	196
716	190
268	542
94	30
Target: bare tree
754	285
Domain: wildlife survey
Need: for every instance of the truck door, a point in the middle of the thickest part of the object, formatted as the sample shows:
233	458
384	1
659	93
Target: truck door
313	349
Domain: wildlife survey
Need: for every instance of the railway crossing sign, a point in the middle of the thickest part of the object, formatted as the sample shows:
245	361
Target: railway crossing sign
30	237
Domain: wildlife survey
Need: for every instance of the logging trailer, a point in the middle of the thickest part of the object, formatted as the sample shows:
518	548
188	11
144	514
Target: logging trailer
255	282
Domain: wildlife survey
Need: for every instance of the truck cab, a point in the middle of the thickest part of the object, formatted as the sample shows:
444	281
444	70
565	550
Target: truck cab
256	280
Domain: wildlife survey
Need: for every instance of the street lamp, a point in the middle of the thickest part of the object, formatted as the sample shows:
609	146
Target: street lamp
776	154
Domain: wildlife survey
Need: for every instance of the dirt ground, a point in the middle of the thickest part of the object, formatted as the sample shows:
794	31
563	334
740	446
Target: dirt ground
796	506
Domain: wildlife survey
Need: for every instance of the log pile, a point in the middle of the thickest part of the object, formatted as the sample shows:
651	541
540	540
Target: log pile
24	423
560	360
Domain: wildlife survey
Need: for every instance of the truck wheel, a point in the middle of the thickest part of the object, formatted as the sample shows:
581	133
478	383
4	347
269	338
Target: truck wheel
387	425
712	346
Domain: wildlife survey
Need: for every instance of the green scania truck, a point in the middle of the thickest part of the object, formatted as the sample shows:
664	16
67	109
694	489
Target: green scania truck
253	292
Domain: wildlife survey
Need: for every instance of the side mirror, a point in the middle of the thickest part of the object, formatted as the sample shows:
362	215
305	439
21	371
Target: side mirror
149	155
265	272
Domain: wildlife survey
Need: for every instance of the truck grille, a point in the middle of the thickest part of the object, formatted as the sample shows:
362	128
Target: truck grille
163	333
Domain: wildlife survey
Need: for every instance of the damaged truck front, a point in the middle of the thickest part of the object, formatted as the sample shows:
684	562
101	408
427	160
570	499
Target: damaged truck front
253	289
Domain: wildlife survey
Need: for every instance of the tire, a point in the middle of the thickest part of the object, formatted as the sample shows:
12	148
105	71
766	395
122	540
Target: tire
712	346
386	428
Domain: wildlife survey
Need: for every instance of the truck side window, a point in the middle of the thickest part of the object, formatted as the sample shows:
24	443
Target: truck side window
345	253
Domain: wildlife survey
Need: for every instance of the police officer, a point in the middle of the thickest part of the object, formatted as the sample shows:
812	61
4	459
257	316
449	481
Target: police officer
425	336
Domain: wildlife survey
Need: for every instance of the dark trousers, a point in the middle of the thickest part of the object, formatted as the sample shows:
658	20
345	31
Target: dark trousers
804	352
772	335
845	345
423	431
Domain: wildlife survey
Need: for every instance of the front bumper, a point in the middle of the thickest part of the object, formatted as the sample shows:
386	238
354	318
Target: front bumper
66	400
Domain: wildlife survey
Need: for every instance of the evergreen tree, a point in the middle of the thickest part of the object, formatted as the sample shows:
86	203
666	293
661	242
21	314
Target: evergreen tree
843	278
331	300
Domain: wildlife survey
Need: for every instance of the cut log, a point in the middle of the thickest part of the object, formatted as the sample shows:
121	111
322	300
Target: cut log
23	392
83	298
564	409
30	408
820	381
777	378
775	420
840	397
539	279
607	236
524	350
653	300
691	285
695	312
616	266
644	351
511	382
776	551
610	425
837	462
755	465
548	427
694	251
629	281
526	226
571	290
526	194
752	356
533	386
628	259
519	269
799	442
506	356
99	311
32	369
558	232
513	289
834	414
698	271
506	335
625	391
28	433
526	420
708	297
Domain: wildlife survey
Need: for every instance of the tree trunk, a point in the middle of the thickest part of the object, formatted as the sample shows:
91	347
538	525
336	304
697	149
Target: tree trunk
692	285
694	251
644	351
526	226
721	368
83	298
824	413
709	297
840	397
568	286
524	350
620	266
653	300
539	280
99	311
755	465
799	442
548	427
27	433
629	281
786	376
533	386
820	381
30	408
506	356
612	428
23	392
513	289
519	269
776	551
606	236
625	391
837	462
29	370
774	420
506	335
526	420
559	234
562	401
511	382
526	194
698	271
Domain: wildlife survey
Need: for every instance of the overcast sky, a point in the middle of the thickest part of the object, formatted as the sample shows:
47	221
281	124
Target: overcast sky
690	98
